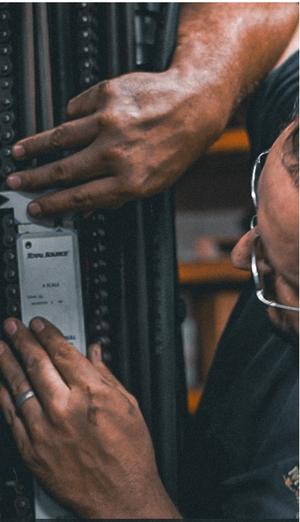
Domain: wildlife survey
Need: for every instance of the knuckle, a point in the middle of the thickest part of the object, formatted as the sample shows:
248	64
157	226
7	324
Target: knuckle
52	336
29	180
114	158
35	364
58	173
103	90
58	412
57	137
81	200
120	154
106	120
113	120
18	384
61	354
36	432
137	185
64	348
133	400
94	395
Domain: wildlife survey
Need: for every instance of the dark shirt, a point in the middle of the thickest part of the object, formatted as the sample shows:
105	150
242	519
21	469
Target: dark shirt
244	441
271	107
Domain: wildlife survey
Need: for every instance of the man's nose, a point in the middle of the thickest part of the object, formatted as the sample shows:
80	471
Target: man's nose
241	253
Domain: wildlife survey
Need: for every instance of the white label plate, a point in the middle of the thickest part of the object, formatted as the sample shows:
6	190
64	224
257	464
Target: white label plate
51	286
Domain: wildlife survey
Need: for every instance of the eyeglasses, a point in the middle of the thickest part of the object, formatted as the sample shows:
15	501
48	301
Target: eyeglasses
257	255
257	168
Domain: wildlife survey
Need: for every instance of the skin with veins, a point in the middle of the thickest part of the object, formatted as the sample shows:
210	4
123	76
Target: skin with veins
139	132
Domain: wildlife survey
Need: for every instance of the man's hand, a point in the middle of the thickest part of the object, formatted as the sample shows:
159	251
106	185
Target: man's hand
138	133
130	130
82	434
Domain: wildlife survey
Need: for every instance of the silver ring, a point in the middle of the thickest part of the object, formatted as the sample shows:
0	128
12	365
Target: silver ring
24	397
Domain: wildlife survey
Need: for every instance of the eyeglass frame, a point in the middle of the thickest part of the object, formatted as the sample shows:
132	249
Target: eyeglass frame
254	269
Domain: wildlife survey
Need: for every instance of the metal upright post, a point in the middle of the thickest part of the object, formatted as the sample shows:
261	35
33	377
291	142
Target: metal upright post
62	58
164	278
113	39
114	18
28	71
137	258
44	67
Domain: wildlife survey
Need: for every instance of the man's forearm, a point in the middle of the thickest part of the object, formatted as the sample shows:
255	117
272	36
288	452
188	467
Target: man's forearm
229	47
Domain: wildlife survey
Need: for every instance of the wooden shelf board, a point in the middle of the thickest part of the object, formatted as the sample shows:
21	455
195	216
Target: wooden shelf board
211	272
194	398
232	140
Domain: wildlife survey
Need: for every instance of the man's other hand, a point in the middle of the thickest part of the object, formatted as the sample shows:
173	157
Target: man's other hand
82	434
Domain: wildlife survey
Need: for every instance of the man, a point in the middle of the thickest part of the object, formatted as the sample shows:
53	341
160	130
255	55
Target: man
88	421
244	442
235	72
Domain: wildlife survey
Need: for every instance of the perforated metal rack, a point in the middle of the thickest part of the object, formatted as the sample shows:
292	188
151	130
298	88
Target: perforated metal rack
128	255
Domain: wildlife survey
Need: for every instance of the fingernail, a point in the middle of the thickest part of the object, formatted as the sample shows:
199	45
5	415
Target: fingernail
34	209
14	182
10	327
2	347
37	325
18	151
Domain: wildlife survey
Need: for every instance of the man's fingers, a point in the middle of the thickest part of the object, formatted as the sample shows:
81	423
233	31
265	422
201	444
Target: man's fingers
7	405
14	421
95	356
65	136
90	196
46	380
18	383
78	167
70	363
89	101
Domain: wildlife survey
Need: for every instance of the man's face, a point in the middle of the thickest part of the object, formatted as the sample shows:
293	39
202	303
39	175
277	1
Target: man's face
277	228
